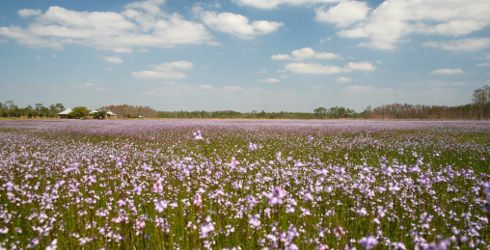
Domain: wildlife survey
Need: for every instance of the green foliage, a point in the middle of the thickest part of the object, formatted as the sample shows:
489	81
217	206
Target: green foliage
340	112
79	112
99	115
10	109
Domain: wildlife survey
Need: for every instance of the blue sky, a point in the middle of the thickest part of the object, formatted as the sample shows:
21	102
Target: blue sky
244	55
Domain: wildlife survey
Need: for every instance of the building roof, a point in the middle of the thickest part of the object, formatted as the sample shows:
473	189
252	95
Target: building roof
65	112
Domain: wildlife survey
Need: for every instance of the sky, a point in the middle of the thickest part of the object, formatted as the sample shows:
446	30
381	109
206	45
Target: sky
243	55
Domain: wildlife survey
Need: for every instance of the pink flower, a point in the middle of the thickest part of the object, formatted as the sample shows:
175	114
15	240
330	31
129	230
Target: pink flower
197	200
158	186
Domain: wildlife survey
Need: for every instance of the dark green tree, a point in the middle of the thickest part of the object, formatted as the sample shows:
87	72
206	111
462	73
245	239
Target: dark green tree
320	112
79	112
99	115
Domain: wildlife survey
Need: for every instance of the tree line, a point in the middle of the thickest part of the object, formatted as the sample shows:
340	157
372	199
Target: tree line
10	109
478	109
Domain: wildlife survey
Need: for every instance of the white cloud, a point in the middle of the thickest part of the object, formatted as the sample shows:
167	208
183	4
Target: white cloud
280	57
272	4
343	79
315	68
304	54
359	66
446	71
312	68
343	14
453	27
393	20
237	25
309	53
270	80
91	85
468	44
112	59
357	89
29	39
170	70
24	13
140	25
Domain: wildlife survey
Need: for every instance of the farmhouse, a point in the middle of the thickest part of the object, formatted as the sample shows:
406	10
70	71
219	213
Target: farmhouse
102	114
65	113
110	114
107	113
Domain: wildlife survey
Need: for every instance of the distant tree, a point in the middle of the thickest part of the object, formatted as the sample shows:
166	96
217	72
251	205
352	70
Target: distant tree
481	97
320	111
99	115
79	112
367	113
54	109
29	111
41	110
130	111
12	109
340	112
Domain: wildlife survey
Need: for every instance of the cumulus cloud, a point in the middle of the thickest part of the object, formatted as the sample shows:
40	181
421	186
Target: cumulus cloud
304	54
270	80
272	4
170	70
112	59
447	71
343	79
343	14
280	57
140	25
359	66
91	85
315	68
25	13
237	25
393	20
468	44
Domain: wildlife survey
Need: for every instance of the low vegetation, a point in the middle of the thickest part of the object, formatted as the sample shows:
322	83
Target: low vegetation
189	184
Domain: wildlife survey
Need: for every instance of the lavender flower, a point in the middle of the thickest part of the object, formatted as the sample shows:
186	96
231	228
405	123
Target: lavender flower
368	242
206	228
197	135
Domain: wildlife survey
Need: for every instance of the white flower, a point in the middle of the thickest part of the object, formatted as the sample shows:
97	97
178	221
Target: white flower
197	135
53	245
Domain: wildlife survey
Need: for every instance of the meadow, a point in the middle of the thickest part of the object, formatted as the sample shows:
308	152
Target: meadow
244	184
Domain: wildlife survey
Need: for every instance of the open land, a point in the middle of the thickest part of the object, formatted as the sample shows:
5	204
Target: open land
249	184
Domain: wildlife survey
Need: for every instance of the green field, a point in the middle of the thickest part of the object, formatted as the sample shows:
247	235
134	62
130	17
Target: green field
163	185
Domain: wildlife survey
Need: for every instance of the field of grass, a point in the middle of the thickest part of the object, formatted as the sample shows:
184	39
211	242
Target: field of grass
244	184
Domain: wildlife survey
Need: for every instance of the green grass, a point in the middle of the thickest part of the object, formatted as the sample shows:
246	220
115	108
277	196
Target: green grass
457	163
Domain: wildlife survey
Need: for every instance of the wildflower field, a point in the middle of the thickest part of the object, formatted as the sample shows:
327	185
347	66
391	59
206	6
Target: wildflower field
244	184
